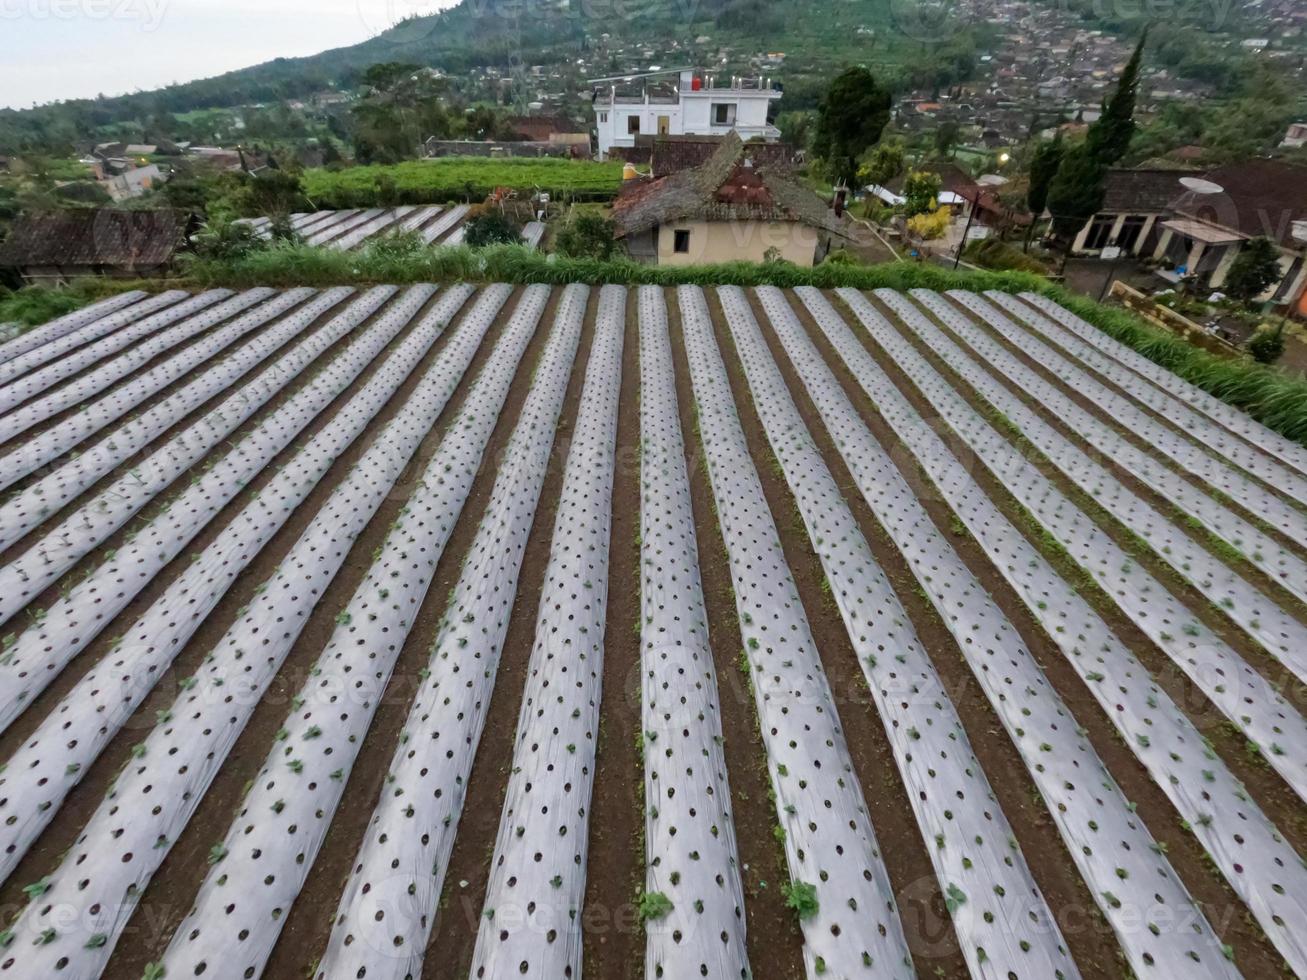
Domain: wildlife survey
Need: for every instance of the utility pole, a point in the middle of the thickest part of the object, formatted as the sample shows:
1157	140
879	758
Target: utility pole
970	215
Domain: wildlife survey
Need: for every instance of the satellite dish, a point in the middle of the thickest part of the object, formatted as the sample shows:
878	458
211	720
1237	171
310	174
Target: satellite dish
1200	186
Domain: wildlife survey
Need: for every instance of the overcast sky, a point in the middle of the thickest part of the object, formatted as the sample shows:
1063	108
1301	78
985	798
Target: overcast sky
63	49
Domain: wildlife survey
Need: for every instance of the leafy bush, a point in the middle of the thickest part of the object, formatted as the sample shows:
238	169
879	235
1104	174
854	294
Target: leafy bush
994	253
1267	346
930	225
33	305
587	236
921	192
654	905
491	228
226	240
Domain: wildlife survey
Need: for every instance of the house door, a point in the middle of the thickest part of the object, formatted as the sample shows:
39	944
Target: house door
664	125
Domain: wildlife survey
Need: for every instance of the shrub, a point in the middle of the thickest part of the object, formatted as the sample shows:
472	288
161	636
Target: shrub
33	305
491	228
654	905
1267	346
930	225
226	240
587	236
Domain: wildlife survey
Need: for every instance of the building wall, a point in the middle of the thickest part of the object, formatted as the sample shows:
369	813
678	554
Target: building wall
740	241
691	116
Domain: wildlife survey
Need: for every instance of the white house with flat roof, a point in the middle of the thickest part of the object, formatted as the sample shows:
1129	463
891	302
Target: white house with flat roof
699	105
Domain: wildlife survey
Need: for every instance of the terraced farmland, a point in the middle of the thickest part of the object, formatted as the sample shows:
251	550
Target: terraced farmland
348	231
635	632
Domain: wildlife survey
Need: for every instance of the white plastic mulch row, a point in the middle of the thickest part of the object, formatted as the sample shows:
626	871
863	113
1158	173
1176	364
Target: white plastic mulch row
1162	933
65	483
285	817
325	232
61	631
456	238
150	804
691	855
267	304
33	391
390	901
1193	397
1266	500
58	439
34	337
532	232
1248	849
442	224
1263	619
531	925
1261	549
1004	925
301	222
152	313
1238	691
418	218
829	843
358	235
51	762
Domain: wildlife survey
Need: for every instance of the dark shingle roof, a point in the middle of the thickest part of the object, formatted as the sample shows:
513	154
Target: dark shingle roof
728	187
105	237
1141	190
1259	198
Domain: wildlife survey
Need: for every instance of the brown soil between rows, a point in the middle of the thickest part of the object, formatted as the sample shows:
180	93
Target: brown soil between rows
171	891
179	425
1088	937
611	934
166	688
114	355
166	355
309	920
1139	440
1281	804
1154	414
921	907
775	943
1226	912
453	938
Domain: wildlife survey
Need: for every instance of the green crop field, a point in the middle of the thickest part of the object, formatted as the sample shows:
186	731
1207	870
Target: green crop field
453	178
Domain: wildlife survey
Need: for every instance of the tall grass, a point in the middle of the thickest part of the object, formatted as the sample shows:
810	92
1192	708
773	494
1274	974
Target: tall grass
34	305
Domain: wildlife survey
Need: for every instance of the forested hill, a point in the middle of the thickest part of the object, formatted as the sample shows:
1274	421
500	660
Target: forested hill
817	34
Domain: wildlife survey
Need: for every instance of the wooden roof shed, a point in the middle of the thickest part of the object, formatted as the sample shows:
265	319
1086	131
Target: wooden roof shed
62	245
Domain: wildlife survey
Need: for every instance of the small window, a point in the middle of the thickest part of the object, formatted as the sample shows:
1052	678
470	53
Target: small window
681	240
723	113
633	124
603	117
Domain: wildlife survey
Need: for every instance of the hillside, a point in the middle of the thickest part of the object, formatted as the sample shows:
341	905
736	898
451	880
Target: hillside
603	37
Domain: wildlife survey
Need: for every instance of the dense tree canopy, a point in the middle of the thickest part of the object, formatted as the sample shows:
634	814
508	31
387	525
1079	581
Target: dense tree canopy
853	114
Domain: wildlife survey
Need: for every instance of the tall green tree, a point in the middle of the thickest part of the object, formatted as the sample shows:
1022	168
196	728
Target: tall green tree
1043	168
1076	193
1253	270
853	114
1109	137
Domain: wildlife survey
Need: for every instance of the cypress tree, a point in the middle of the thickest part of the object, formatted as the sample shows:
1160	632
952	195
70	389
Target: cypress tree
1109	138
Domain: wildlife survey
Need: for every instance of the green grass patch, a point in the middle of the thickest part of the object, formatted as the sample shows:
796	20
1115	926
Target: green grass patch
459	178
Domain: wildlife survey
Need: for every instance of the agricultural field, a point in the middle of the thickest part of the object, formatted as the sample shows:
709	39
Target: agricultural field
450	179
499	631
351	230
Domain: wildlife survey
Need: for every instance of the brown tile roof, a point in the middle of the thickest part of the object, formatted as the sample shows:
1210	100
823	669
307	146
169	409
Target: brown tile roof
728	187
1259	198
103	237
672	154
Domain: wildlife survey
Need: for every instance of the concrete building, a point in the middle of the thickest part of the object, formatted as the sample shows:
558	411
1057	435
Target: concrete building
729	209
697	104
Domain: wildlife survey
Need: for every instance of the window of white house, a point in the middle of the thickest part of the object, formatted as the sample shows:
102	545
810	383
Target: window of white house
633	124
681	240
723	113
603	117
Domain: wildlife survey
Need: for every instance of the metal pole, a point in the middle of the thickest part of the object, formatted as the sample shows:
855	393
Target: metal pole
963	244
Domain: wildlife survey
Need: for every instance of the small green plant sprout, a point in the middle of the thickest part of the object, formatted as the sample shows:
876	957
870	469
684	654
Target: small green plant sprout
802	898
654	906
